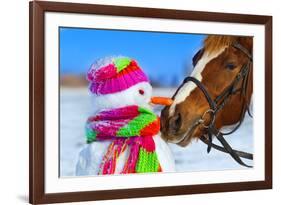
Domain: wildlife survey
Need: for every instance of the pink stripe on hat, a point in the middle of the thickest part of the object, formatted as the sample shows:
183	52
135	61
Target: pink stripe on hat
118	84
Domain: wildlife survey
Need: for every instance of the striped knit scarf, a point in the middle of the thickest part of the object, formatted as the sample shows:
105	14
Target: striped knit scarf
129	127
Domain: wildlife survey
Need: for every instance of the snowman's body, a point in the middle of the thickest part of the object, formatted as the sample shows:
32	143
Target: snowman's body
91	156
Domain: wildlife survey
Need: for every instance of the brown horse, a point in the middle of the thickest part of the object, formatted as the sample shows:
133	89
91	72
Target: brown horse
217	67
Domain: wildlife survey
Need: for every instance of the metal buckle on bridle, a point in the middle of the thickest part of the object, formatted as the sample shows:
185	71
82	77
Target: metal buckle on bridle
202	119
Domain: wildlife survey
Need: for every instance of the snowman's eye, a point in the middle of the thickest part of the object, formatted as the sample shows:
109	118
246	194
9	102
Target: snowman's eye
141	92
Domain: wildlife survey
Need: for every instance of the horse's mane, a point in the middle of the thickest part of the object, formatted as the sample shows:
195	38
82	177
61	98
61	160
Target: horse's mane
214	43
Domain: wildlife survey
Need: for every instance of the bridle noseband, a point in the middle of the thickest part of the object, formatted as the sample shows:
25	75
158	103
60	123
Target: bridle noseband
218	103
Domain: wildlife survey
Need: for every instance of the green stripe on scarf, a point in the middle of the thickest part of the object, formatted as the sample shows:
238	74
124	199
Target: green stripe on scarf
147	162
90	135
134	127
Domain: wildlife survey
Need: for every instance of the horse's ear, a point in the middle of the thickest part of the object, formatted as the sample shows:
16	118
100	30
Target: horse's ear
197	57
247	42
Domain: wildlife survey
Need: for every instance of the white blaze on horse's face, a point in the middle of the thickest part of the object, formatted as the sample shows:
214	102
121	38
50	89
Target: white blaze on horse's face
188	87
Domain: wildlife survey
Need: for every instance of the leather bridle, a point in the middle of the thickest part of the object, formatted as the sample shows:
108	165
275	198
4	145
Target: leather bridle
217	104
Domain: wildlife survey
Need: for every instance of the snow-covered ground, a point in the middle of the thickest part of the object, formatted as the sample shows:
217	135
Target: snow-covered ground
75	107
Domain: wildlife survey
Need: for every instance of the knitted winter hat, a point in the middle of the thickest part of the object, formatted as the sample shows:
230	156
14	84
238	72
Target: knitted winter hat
114	74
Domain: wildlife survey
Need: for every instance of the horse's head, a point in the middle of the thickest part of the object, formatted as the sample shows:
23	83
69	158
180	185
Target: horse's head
216	66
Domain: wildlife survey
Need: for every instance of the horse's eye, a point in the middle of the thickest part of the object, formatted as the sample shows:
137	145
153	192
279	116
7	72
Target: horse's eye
141	92
230	66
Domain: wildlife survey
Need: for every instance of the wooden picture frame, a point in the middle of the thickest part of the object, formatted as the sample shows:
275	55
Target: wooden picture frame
37	10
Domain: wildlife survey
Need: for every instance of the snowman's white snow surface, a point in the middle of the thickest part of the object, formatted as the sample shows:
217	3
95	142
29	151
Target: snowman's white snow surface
91	155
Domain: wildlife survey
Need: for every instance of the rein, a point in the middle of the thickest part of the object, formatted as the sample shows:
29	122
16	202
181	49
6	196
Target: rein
218	104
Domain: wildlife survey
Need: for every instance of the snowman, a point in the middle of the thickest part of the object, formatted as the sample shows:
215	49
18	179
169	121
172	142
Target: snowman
123	133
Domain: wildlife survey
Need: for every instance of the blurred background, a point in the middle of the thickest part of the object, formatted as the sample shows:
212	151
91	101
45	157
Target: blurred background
165	57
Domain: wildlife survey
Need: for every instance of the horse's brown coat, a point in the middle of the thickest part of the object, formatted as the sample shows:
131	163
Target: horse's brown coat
215	77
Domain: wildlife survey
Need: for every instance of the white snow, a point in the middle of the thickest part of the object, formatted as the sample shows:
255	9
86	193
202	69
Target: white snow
75	107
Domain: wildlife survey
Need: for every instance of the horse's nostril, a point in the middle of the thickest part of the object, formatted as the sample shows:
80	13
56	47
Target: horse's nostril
175	123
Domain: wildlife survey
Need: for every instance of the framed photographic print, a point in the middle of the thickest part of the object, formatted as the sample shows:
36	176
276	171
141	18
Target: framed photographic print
138	102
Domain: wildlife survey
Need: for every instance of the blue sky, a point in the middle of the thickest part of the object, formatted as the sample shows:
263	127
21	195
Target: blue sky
165	57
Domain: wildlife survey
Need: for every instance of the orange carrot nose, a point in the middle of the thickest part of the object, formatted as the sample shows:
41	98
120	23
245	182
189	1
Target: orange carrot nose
161	100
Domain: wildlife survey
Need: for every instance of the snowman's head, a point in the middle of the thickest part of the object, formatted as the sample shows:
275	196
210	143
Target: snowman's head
117	82
139	94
